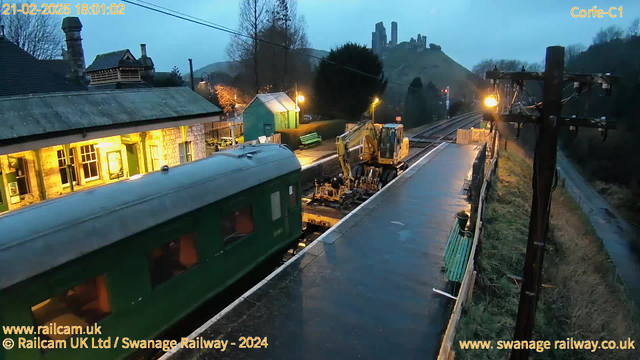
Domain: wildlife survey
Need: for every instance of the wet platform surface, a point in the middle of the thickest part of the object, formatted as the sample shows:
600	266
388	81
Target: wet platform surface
363	289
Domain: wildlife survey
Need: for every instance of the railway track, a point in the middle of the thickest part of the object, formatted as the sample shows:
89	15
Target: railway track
428	139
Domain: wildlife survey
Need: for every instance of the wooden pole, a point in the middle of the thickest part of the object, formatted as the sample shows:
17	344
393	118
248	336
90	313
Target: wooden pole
544	166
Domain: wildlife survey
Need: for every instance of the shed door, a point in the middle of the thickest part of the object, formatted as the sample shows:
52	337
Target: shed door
4	206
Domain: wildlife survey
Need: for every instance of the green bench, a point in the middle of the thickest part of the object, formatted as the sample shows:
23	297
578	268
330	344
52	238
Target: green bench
310	139
456	253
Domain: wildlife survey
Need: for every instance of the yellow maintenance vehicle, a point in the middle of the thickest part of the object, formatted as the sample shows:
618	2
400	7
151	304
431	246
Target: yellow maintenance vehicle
382	155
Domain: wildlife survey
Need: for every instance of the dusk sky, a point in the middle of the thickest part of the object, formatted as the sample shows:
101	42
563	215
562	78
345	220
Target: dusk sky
467	30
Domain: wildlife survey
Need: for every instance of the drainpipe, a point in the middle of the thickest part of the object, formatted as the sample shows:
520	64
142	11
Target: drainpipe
66	148
143	141
43	192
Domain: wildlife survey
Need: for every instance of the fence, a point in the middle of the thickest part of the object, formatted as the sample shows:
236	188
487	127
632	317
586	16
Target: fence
466	287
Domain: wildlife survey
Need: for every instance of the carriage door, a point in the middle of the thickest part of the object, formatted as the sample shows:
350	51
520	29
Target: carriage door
4	206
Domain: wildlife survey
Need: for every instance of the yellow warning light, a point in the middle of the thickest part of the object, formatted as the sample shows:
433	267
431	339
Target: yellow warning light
490	101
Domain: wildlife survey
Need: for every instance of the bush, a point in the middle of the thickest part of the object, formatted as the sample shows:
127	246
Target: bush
327	129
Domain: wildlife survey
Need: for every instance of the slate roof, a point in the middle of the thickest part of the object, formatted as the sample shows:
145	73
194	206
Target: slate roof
113	60
21	73
276	102
52	115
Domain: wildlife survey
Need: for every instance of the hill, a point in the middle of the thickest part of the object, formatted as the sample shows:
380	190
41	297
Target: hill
229	67
402	65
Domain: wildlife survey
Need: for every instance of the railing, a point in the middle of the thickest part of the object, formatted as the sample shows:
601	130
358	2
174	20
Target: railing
466	287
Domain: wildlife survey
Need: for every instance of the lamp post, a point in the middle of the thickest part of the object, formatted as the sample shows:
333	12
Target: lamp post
373	109
299	98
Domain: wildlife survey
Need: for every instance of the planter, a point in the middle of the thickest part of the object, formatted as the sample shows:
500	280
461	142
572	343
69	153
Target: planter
463	218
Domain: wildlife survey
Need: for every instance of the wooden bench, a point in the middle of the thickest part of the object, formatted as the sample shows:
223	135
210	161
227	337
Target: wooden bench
456	253
310	139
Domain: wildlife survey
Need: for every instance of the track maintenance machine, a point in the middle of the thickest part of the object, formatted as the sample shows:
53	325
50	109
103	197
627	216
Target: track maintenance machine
381	159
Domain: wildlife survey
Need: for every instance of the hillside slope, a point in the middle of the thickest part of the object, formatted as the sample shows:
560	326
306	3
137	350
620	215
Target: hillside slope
403	65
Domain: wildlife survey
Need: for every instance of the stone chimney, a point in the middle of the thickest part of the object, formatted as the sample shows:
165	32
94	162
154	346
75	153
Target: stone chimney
148	69
72	28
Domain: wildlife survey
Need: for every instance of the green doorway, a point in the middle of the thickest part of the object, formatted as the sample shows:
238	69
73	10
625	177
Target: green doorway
132	159
4	206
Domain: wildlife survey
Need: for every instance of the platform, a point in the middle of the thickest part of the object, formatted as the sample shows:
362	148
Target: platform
310	155
364	288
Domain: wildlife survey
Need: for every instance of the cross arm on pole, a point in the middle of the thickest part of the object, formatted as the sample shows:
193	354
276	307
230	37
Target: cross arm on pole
561	121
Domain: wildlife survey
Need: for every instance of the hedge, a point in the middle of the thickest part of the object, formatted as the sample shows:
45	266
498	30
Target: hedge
327	129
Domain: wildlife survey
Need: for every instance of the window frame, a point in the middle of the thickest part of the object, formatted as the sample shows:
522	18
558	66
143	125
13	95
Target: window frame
72	160
292	194
159	245
185	152
155	159
228	240
92	153
276	196
24	166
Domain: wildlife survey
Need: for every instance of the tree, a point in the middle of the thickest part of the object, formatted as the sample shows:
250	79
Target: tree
244	49
39	35
572	51
608	34
347	83
415	110
176	77
634	28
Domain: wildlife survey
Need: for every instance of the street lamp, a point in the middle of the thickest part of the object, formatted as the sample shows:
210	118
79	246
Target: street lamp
373	109
490	101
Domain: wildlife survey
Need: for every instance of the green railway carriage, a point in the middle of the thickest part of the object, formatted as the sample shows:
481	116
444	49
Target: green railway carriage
134	257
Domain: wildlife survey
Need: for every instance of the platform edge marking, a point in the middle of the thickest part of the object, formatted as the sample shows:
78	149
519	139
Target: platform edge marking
316	242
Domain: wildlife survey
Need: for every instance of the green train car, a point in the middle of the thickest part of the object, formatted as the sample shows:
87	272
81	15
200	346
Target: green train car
134	257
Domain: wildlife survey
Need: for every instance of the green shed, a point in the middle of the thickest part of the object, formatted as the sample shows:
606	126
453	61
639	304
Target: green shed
268	113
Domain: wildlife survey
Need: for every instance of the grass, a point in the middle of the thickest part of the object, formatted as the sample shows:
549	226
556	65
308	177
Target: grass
585	302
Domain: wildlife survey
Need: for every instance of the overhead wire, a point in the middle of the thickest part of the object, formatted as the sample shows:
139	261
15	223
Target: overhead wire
212	25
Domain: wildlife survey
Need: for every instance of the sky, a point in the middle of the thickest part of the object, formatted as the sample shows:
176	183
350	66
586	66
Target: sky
468	30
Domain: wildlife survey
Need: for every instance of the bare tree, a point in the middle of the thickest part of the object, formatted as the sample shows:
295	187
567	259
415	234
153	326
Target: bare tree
572	51
39	35
243	49
634	28
610	33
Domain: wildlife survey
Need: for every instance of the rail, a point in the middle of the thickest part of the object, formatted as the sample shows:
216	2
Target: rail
466	286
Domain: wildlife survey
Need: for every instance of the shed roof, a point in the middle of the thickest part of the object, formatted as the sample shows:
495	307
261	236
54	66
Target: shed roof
33	115
114	59
275	102
107	214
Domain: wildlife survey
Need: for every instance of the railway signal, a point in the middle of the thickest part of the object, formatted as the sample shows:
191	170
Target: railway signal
544	169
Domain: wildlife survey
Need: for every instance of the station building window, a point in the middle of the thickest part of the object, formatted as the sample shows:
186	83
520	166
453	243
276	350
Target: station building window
237	225
155	157
81	305
62	167
276	209
22	175
89	162
185	152
293	196
172	258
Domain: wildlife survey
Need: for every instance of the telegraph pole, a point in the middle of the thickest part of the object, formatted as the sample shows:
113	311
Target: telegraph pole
544	169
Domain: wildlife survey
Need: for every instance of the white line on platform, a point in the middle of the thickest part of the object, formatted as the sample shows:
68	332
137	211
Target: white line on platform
321	161
211	321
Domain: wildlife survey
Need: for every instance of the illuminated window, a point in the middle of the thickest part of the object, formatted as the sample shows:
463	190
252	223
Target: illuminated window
22	175
276	210
62	167
172	258
89	162
185	152
81	305
155	157
293	196
237	225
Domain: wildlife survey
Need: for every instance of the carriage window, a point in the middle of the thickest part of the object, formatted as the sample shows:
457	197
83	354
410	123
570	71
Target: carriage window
172	258
293	196
237	225
78	307
276	211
